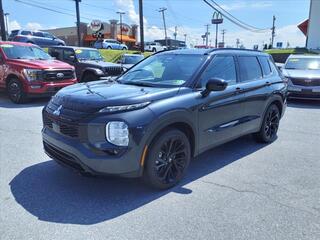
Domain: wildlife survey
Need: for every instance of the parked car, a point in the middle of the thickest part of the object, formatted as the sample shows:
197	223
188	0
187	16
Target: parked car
128	60
110	44
165	110
27	71
153	47
88	62
303	73
42	39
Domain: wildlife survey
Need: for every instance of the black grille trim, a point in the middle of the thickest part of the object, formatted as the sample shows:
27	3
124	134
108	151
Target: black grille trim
113	71
51	75
308	83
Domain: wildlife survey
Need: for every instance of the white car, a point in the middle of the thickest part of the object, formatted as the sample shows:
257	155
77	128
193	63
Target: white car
153	47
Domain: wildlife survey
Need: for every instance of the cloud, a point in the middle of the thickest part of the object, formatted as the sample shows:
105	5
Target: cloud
128	7
33	26
241	4
14	25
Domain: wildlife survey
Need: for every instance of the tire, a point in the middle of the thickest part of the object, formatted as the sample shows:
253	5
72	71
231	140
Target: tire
154	50
15	91
270	125
89	76
124	48
109	47
167	160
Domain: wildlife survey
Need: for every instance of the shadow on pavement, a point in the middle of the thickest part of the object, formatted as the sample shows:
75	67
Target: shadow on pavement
54	194
311	104
5	102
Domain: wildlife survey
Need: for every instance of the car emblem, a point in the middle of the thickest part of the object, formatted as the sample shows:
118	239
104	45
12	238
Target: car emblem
60	75
57	111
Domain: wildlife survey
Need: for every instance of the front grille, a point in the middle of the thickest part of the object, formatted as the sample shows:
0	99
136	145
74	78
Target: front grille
113	71
67	129
62	156
57	75
306	82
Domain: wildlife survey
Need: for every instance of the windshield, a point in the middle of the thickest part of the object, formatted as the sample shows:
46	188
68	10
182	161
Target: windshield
166	69
24	52
132	59
303	63
88	54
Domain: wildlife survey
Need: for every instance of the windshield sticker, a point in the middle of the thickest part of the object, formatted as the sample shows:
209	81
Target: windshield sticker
294	60
78	51
6	45
178	82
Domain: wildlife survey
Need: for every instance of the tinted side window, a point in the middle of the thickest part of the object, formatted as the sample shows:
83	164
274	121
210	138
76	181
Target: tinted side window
67	53
25	33
57	53
38	34
264	62
220	67
249	68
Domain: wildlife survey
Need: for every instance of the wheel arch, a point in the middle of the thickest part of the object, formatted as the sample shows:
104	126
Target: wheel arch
12	76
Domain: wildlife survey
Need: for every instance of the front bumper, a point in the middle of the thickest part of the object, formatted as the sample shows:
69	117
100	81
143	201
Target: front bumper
47	88
300	92
84	157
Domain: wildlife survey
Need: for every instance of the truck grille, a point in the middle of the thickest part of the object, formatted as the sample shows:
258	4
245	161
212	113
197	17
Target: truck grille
113	71
58	75
306	82
67	129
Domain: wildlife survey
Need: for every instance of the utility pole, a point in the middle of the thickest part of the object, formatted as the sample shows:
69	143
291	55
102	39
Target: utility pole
175	32
223	32
185	39
273	33
207	34
121	13
78	22
141	26
238	42
164	24
2	26
7	25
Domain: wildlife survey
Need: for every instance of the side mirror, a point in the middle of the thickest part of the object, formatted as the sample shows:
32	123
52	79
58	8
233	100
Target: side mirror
214	84
72	58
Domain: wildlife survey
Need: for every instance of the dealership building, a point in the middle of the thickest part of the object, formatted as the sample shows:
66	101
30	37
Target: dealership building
110	30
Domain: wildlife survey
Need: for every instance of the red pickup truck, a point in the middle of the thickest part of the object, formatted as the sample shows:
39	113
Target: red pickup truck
27	71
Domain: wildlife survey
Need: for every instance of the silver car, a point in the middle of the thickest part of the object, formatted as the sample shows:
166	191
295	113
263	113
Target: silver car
303	73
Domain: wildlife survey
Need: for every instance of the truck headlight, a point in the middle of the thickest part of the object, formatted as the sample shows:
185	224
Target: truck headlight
117	133
33	74
119	108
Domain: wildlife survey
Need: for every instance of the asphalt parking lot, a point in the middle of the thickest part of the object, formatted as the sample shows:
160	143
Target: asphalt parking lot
241	190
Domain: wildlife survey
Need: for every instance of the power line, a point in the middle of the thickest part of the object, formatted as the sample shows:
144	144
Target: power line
235	20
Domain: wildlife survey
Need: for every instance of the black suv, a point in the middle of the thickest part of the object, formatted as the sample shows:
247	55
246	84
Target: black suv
167	109
88	62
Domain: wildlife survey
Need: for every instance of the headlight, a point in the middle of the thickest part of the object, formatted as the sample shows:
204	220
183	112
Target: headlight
124	107
98	71
117	133
33	74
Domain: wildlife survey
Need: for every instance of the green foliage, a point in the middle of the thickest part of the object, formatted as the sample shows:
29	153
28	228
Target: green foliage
114	55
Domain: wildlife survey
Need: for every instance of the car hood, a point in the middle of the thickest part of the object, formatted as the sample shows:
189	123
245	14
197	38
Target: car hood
85	98
296	73
100	63
40	64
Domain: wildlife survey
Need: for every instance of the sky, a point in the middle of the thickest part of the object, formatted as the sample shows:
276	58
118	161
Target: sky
190	17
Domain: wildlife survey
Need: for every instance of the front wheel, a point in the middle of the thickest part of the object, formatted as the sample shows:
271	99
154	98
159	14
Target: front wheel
109	47
15	91
167	160
270	125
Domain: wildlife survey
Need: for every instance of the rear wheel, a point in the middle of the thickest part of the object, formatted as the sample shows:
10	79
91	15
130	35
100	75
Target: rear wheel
124	48
167	160
270	125
15	91
88	77
154	50
109	47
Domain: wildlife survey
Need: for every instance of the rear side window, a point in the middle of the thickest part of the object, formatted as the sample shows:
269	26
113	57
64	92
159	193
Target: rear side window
26	33
38	34
264	62
220	67
250	69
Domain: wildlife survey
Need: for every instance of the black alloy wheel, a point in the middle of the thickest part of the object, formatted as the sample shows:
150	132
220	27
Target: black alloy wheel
270	125
15	91
168	159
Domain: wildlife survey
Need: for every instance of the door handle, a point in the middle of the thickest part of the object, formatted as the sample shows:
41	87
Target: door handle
268	83
238	90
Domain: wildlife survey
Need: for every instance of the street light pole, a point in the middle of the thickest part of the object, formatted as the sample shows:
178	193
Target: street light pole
164	24
7	25
141	26
3	30
121	13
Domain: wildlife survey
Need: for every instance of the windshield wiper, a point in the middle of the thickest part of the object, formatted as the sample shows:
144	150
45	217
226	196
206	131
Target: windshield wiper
139	83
